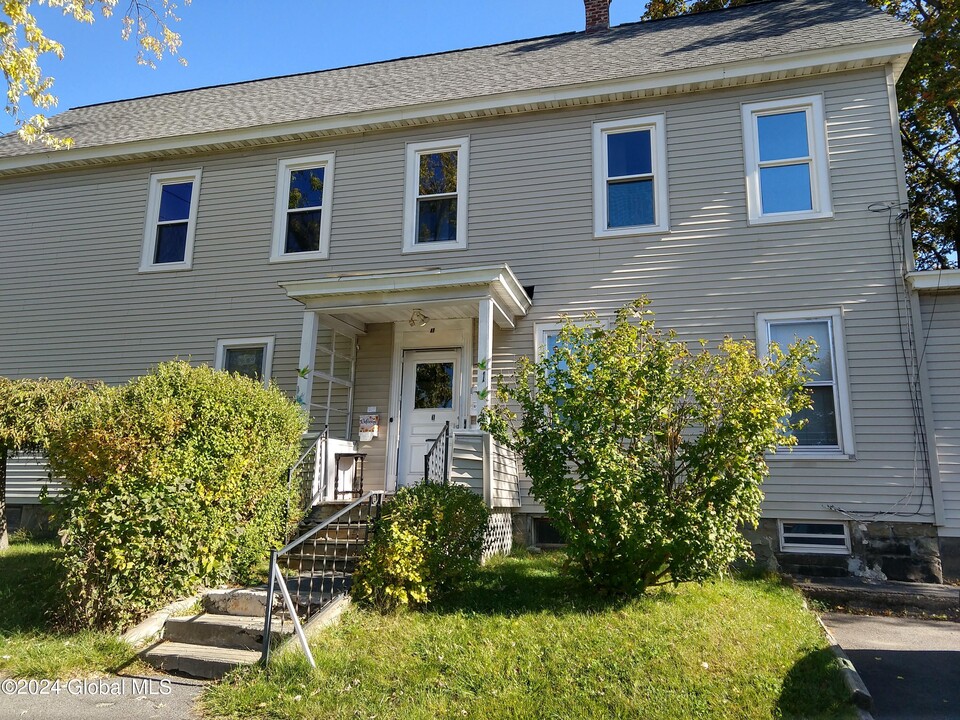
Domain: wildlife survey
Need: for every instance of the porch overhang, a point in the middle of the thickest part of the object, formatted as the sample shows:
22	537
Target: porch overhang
354	300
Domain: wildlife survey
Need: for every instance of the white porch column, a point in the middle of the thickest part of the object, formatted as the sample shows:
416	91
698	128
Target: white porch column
308	356
485	353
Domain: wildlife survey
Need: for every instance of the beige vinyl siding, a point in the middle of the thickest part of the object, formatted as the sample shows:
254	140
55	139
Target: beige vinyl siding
504	477
372	388
27	476
941	336
467	461
74	303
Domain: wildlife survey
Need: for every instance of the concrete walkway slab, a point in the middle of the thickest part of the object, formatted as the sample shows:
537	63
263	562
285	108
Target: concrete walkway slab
108	698
910	666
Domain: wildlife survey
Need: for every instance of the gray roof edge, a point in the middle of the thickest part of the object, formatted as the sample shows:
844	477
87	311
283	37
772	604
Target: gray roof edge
884	51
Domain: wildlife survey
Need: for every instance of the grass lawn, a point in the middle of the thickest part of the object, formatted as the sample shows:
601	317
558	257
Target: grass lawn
524	642
29	647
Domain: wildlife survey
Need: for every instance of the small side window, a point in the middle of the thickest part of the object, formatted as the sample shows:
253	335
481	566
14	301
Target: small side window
630	177
171	221
785	150
805	536
301	225
252	357
436	196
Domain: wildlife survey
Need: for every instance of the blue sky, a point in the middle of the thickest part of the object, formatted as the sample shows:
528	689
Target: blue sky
232	40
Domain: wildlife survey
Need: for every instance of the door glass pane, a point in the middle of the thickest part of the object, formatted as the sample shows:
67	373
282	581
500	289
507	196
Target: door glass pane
437	220
171	243
175	201
785	188
783	136
628	153
786	334
303	231
630	204
306	188
438	173
246	361
434	388
821	427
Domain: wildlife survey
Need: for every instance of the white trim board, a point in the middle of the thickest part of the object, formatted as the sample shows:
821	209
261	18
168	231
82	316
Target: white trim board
765	69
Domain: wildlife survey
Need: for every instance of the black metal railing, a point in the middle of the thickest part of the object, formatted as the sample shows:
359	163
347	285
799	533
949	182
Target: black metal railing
436	463
316	569
303	474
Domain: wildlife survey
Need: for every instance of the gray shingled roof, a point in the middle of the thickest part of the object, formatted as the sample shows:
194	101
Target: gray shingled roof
750	32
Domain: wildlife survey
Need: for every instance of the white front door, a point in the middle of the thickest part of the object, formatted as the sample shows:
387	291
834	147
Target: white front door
430	395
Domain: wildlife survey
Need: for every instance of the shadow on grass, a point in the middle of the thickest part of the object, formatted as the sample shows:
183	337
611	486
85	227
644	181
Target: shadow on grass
813	688
30	578
533	584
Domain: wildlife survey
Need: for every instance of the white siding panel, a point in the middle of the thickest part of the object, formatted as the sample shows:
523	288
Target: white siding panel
27	476
941	335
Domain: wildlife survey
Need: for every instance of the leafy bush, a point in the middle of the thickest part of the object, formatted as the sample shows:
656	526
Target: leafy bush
173	481
428	541
648	457
29	411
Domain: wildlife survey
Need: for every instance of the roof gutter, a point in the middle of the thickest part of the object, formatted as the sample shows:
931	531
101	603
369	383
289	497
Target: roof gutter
878	52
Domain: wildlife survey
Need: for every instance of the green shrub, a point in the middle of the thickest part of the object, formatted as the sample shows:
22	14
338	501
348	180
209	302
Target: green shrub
172	481
649	457
427	542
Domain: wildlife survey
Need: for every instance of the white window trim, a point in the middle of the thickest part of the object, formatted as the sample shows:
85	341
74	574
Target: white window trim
845	436
414	150
233	343
819	160
542	329
658	149
157	181
812	549
285	168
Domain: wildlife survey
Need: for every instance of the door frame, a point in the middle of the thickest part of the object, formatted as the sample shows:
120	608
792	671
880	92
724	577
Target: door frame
436	335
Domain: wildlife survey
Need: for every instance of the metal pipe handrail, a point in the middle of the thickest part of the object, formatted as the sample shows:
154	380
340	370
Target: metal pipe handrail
276	576
444	438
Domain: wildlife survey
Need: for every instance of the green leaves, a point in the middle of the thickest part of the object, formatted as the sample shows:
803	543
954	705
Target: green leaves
647	456
428	541
174	480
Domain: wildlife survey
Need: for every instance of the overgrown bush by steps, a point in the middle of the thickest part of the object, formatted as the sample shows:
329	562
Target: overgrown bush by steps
427	542
173	481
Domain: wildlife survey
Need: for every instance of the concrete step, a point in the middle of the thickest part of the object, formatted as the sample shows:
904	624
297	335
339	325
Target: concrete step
227	631
866	595
244	602
199	661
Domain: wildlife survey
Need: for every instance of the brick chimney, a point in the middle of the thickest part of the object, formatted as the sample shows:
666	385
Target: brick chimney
598	15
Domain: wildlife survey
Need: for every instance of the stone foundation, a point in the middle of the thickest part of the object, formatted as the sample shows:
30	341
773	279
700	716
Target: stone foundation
950	558
35	519
907	552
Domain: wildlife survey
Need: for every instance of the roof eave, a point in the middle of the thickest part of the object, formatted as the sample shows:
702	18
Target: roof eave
894	52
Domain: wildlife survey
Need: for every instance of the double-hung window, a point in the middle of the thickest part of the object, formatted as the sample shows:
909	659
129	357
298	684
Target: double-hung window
785	149
171	221
436	196
252	357
301	225
828	428
630	177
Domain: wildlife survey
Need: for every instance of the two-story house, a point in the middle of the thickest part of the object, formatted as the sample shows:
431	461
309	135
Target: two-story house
382	240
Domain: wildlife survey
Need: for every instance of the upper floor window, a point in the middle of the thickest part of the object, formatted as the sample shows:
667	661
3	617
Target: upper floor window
436	197
252	357
828	426
630	177
786	160
301	225
171	221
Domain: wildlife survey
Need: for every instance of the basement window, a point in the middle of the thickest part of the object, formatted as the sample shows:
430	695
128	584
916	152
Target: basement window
805	536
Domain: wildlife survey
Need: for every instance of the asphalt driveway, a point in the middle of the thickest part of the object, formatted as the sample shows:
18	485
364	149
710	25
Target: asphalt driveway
910	666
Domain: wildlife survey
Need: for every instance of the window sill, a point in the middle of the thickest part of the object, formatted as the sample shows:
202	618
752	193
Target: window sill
434	247
631	232
300	257
788	454
165	268
815	550
778	218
